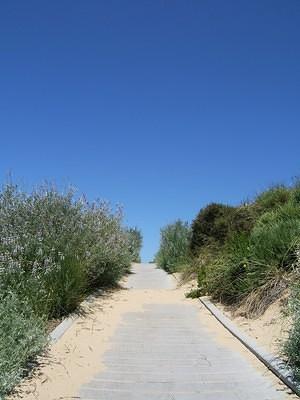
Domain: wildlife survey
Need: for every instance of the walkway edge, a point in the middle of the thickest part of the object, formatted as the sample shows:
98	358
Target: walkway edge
61	328
59	331
275	364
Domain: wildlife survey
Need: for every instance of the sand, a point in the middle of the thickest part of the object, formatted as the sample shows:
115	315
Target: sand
269	330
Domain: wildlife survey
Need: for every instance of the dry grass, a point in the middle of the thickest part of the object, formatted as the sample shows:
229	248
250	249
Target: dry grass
257	302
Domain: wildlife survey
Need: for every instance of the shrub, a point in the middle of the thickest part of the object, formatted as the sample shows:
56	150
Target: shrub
217	223
241	221
174	246
106	242
22	338
210	226
40	247
54	248
135	244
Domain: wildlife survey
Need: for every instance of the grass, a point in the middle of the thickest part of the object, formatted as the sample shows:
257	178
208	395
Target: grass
250	264
292	344
22	338
174	246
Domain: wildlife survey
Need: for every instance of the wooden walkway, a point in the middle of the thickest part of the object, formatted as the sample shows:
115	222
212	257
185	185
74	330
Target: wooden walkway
164	353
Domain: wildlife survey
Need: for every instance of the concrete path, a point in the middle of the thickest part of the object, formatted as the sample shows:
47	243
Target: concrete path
166	353
147	276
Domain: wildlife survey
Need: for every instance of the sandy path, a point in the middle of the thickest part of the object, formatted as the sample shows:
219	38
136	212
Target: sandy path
86	354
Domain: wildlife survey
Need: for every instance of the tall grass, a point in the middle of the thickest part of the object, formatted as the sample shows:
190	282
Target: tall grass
135	243
22	338
174	246
54	249
292	344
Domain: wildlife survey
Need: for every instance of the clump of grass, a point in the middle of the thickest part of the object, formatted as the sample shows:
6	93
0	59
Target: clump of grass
135	240
260	298
174	246
194	294
272	198
22	338
224	276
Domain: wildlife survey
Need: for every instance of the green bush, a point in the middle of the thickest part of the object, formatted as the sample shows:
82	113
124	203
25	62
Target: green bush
41	249
272	198
174	246
55	248
22	338
107	250
135	241
241	221
210	226
217	223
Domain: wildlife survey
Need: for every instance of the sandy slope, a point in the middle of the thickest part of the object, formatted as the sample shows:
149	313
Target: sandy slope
269	329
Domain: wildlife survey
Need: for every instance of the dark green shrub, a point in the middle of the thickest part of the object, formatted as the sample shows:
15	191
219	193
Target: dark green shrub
217	223
211	226
174	246
241	221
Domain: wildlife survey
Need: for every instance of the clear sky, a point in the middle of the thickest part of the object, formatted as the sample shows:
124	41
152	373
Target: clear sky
160	105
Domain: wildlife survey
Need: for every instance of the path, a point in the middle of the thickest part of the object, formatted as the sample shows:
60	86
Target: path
165	353
148	342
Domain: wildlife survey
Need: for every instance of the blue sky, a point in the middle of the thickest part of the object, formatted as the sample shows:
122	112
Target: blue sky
162	106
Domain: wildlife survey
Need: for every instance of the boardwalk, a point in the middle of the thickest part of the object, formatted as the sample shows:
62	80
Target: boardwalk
165	352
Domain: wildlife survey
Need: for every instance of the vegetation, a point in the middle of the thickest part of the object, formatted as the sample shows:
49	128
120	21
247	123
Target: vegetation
22	337
247	254
292	345
135	244
248	248
174	246
54	249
